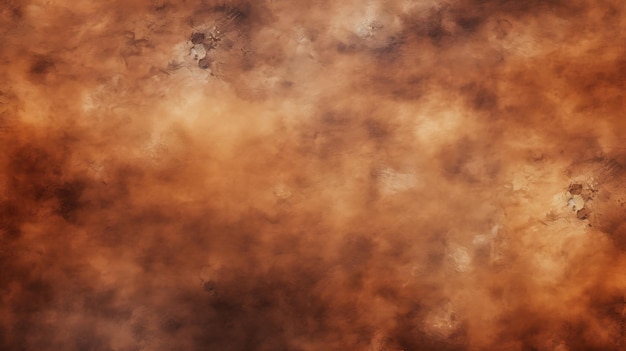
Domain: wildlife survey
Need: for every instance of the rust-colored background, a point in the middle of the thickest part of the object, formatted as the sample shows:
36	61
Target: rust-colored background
312	175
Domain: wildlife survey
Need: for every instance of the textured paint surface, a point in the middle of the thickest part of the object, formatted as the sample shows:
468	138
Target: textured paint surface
313	175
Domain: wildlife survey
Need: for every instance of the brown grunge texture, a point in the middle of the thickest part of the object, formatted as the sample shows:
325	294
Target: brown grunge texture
282	175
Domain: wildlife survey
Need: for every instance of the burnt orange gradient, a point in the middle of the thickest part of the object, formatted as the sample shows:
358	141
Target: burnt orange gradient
313	175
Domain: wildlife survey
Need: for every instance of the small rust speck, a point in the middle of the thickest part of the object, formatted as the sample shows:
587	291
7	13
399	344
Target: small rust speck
204	63
582	213
197	38
575	189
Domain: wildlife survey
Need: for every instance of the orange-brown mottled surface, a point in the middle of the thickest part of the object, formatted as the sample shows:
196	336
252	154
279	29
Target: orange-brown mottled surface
313	175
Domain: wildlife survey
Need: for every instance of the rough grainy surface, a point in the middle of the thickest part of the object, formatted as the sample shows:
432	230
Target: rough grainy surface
312	175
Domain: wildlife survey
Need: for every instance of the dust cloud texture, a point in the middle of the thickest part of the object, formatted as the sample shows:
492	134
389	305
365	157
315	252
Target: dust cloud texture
312	175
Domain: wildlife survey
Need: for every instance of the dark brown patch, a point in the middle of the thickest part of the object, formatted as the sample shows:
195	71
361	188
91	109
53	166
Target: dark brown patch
204	63
485	100
469	24
68	196
436	32
41	65
575	189
583	213
197	38
376	129
345	48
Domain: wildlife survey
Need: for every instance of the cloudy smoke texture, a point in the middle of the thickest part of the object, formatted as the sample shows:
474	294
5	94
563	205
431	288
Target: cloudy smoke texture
313	175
